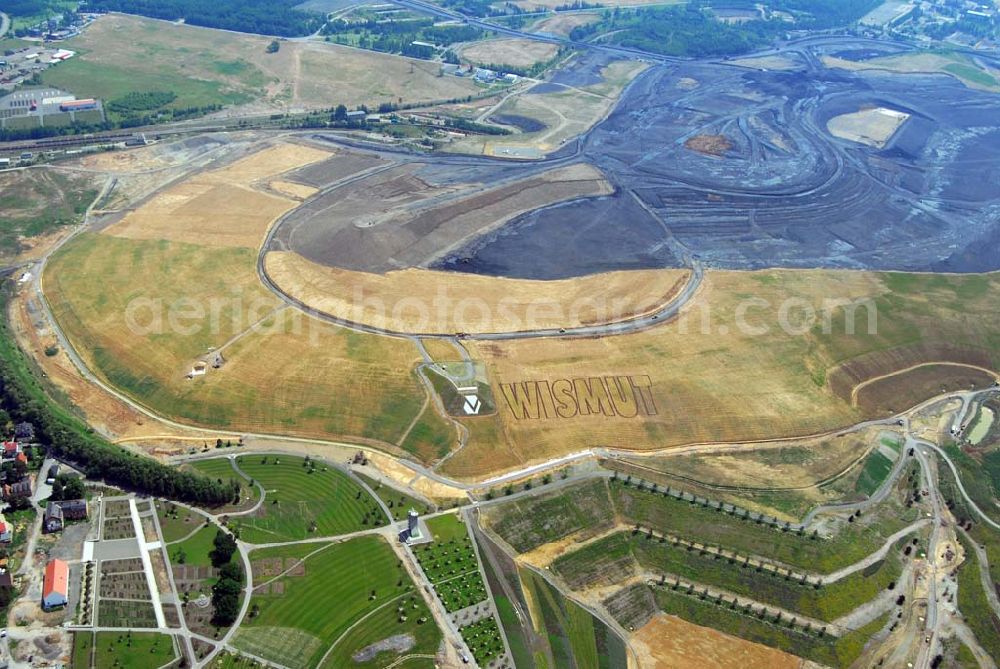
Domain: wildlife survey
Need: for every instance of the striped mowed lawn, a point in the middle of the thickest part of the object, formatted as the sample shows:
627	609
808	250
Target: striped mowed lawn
294	499
315	609
221	468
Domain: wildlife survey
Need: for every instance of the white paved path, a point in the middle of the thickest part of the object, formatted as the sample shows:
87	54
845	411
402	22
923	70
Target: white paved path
147	564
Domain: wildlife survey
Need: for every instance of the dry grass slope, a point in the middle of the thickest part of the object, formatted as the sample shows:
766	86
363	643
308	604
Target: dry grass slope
421	301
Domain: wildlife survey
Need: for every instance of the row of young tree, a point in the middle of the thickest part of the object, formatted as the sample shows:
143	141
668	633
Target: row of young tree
69	439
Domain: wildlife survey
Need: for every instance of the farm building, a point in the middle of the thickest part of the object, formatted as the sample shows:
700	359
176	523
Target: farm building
56	513
55	591
483	74
17	490
53	517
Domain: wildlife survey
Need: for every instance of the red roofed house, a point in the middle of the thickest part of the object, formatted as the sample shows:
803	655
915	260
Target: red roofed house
55	591
21	457
11	449
5	530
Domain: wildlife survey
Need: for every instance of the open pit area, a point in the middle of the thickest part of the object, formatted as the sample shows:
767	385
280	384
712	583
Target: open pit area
410	213
752	168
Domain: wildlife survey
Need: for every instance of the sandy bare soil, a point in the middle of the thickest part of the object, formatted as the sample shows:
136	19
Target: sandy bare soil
711	145
514	52
422	301
220	207
874	127
562	24
293	190
666	642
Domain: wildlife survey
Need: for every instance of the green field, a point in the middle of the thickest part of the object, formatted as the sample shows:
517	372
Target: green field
87	78
347	581
176	522
625	552
973	604
589	508
575	637
304	499
222	470
976	479
399	503
83	645
971	73
195	549
874	472
133	650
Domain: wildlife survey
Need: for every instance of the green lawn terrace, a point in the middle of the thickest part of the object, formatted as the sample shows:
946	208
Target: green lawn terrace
451	564
221	469
125	650
484	640
371	612
304	498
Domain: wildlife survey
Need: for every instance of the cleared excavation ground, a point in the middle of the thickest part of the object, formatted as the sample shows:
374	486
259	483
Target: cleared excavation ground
219	208
668	641
547	116
873	126
427	301
411	214
514	52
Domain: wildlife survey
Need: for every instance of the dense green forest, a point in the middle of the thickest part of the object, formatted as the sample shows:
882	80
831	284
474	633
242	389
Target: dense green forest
30	7
68	438
693	31
399	36
265	17
822	14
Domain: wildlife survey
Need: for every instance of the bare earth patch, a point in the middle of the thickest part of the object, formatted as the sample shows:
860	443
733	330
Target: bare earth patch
513	52
219	207
711	145
873	127
666	642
